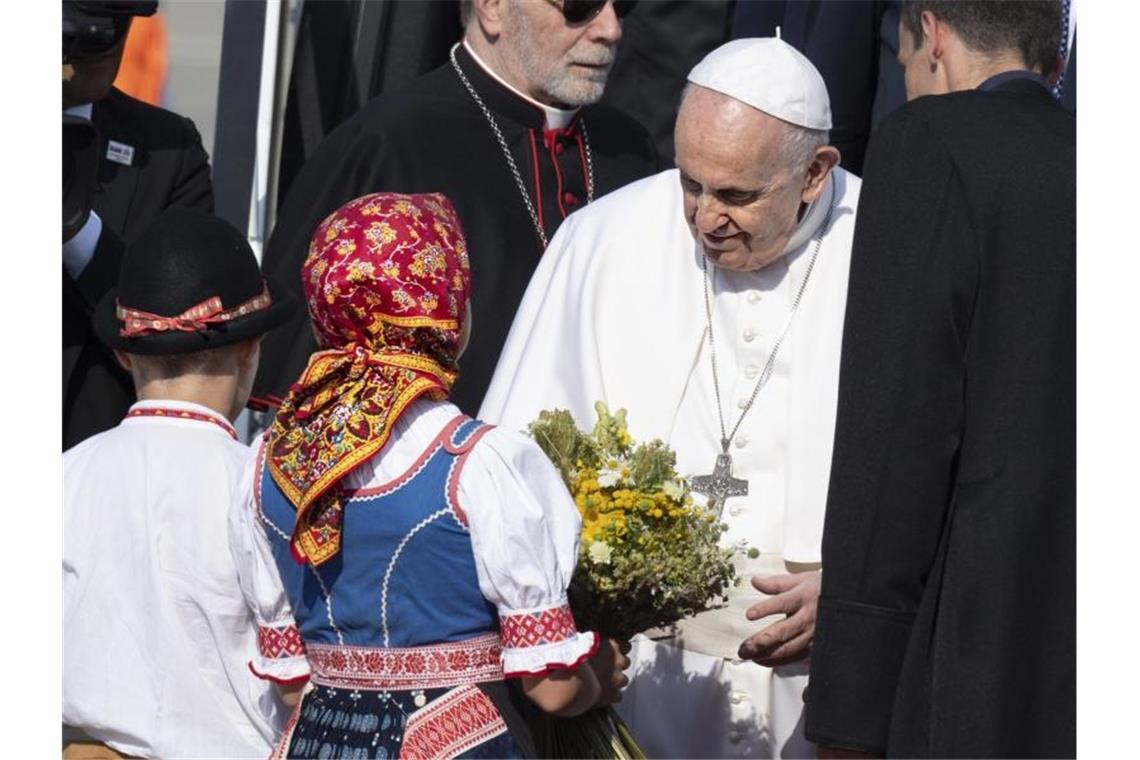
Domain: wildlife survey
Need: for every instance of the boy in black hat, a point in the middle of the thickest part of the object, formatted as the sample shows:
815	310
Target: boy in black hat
158	640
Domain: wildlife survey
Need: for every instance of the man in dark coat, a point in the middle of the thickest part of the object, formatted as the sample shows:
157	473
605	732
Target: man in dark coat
947	619
149	159
507	132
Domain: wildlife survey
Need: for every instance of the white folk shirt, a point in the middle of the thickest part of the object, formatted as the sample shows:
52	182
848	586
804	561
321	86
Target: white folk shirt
615	312
523	524
157	636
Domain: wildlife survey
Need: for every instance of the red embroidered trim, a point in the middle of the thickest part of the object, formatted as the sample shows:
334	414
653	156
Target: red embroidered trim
182	414
553	666
532	629
275	679
395	484
451	725
434	666
281	751
279	643
457	467
559	188
211	311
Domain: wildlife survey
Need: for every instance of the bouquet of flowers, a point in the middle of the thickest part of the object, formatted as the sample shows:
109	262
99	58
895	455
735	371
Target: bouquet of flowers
648	556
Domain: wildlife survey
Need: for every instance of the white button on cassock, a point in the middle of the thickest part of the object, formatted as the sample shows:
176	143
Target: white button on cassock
742	403
738	697
753	297
742	441
751	371
749	335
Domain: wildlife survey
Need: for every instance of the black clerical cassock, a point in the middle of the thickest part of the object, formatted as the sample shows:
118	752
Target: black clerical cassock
432	136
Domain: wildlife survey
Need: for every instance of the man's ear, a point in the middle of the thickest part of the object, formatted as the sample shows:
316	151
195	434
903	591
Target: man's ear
488	14
934	39
124	359
825	159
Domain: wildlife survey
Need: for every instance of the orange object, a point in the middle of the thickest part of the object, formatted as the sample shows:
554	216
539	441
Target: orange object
142	73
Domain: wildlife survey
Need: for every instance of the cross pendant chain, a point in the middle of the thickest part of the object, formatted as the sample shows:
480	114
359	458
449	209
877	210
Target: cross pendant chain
719	485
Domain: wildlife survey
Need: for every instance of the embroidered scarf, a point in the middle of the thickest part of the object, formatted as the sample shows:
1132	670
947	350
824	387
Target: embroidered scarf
386	281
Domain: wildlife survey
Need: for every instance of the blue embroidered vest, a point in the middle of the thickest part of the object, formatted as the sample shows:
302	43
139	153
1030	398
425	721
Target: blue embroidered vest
405	573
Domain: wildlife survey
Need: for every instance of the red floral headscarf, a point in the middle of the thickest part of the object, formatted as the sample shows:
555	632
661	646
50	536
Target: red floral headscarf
386	281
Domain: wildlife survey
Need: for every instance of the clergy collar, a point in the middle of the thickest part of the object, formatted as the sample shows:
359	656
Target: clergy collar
504	98
814	217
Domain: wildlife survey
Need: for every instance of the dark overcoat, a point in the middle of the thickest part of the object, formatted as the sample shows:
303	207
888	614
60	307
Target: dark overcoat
947	622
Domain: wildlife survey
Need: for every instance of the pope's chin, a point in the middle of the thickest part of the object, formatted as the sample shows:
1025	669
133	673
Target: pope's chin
736	258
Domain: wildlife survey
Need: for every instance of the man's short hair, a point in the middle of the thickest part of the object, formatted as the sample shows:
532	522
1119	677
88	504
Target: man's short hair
171	366
1030	27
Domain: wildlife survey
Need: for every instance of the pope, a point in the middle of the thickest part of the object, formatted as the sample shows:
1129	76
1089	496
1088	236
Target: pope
708	300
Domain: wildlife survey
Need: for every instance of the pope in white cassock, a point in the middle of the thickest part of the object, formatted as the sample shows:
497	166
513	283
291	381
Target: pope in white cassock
708	301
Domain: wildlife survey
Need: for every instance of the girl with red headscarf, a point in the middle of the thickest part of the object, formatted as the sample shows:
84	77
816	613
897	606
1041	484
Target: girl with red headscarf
424	554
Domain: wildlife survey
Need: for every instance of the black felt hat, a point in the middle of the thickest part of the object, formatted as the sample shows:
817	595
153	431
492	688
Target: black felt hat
189	283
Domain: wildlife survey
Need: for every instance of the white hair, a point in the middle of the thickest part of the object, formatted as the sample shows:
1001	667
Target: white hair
801	143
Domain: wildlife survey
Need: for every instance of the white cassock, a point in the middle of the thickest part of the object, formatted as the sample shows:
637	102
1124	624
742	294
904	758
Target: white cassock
615	312
157	636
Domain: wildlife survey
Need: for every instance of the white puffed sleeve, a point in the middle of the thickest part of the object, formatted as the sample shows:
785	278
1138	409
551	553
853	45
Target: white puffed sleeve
280	653
524	533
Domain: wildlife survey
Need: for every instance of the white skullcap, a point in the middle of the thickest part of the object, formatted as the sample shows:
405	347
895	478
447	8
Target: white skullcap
769	75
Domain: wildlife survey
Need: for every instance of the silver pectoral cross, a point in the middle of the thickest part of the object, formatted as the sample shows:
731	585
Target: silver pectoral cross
720	484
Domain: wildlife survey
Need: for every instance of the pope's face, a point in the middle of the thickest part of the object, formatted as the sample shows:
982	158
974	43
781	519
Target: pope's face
741	197
561	64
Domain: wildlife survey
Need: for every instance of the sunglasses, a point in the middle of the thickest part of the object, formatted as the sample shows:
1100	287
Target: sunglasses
577	11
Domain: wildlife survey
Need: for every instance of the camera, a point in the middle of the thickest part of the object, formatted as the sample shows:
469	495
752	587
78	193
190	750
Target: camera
91	28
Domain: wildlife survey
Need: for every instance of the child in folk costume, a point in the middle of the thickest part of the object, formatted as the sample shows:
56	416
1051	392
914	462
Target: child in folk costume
157	634
426	555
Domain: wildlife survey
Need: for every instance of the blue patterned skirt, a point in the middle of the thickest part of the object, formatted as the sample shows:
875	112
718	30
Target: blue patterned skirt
460	721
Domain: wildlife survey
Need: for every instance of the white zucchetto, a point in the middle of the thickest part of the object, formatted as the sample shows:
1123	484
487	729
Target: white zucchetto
769	75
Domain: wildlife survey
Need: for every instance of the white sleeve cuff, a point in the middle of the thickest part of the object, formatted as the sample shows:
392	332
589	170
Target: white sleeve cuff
280	655
538	641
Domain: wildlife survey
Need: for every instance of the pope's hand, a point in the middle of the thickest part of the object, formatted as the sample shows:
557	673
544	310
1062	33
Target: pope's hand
788	640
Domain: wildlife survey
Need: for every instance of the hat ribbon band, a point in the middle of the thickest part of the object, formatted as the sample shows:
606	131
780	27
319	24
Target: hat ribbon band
210	312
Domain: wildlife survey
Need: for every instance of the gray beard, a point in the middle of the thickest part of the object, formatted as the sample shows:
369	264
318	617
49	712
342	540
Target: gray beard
554	84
